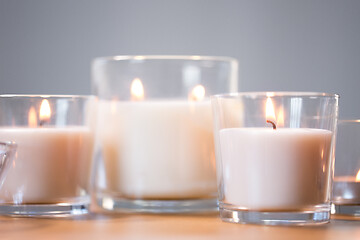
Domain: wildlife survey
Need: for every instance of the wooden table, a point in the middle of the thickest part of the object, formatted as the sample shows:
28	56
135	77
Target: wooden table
138	226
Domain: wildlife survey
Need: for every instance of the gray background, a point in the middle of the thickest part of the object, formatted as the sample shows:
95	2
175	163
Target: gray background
310	45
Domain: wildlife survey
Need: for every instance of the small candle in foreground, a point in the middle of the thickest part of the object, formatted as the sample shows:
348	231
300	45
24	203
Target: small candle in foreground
274	166
275	169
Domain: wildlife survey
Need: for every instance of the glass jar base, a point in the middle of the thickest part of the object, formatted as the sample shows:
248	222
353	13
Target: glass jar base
275	218
45	210
346	209
158	206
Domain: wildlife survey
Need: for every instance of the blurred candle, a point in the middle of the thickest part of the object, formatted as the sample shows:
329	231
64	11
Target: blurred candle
158	149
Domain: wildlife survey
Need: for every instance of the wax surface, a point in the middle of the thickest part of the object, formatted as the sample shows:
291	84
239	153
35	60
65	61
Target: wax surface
283	169
158	150
51	164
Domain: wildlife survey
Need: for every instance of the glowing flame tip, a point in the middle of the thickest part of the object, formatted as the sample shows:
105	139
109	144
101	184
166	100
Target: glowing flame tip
45	110
357	179
197	93
270	111
137	90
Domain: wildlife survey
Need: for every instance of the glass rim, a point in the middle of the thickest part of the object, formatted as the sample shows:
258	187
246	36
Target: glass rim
275	94
47	96
165	57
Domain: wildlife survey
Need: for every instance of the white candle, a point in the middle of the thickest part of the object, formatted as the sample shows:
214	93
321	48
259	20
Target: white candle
51	164
282	169
346	190
158	149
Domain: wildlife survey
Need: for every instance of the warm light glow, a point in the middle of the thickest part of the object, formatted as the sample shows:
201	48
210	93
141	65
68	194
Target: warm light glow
139	57
45	111
280	118
113	106
357	179
197	93
270	111
137	90
32	119
196	57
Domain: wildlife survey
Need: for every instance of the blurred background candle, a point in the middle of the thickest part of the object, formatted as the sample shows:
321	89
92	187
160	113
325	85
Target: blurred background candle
159	149
275	169
346	185
155	137
53	158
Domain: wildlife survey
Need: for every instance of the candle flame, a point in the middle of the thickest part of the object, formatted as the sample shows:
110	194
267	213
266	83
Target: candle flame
32	119
137	90
197	93
45	111
357	179
270	111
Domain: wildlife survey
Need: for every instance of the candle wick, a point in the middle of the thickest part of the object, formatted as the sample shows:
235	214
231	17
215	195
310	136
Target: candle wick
272	123
42	123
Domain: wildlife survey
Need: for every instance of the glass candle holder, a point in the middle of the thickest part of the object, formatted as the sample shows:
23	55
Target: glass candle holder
50	172
156	151
346	185
7	152
274	156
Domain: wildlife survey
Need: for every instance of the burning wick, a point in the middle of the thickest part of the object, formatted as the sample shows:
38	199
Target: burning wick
270	112
272	123
42	123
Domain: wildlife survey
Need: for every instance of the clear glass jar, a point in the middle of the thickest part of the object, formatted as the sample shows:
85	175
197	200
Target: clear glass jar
50	174
274	156
156	151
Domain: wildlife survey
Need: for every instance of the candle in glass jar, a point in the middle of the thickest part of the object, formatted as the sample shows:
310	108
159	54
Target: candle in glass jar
51	163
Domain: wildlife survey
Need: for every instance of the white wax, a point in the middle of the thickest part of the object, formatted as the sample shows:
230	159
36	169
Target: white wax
346	190
51	164
282	169
158	149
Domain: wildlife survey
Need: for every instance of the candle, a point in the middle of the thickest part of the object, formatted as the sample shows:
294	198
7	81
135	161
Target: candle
346	189
282	169
158	149
274	166
52	164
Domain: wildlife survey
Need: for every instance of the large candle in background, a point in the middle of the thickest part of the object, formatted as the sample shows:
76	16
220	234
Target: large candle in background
158	149
52	164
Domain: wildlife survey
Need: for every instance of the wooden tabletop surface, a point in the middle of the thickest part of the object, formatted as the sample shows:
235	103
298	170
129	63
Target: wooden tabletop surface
142	226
